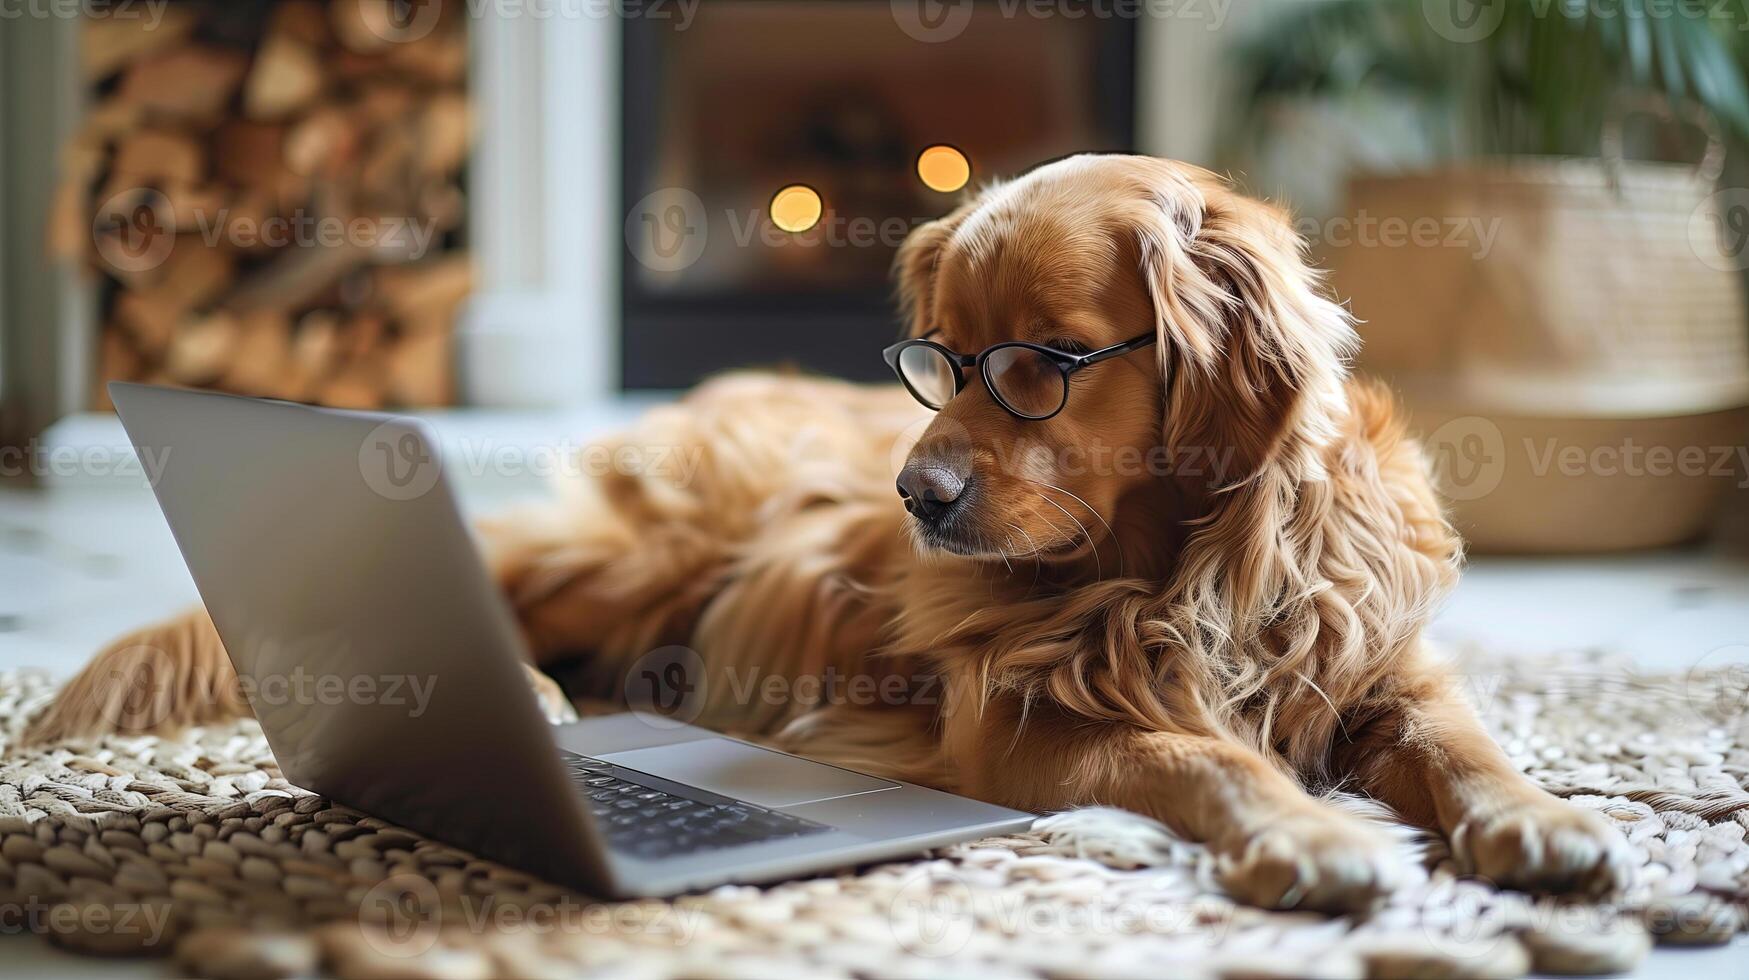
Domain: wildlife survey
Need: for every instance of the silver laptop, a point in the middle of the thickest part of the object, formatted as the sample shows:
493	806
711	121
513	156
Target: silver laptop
384	668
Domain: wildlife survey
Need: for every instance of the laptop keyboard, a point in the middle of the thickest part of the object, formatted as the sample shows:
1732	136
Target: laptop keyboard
652	818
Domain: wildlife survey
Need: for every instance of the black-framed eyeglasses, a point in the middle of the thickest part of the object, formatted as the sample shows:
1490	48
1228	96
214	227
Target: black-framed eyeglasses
1031	381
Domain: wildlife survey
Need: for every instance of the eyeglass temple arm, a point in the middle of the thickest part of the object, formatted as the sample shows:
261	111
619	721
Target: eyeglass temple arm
1134	343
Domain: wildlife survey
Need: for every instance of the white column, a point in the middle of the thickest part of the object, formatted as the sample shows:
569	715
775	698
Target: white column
542	329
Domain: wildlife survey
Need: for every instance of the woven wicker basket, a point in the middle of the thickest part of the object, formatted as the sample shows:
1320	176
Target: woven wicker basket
1583	306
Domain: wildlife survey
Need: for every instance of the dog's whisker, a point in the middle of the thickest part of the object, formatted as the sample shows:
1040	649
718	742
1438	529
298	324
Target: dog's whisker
1037	557
1098	563
1108	531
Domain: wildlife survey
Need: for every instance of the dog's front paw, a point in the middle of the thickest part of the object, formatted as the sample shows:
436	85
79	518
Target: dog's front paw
1323	862
1541	844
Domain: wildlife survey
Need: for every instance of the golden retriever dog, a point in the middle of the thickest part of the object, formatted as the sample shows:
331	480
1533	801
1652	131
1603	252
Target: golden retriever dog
1195	589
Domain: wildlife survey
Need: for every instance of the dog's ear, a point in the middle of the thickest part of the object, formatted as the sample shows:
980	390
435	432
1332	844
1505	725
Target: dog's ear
914	265
1254	356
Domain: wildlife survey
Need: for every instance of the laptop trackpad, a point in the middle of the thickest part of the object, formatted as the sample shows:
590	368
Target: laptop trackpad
747	772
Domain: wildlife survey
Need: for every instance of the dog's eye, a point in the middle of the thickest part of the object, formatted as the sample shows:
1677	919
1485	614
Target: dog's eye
1068	346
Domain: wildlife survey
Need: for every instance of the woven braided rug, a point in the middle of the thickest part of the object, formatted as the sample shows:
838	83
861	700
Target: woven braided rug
197	847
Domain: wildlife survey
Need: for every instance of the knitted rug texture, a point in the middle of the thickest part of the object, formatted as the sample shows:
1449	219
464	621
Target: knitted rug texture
196	847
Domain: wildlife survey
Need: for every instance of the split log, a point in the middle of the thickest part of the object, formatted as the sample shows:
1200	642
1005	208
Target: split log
106	44
116	361
316	346
357	385
202	349
110	120
442	204
192	80
197	273
191	277
261	361
444	135
249	153
416	291
155	154
384	101
440	57
294	277
365	26
324	143
420	371
285	78
364	335
149	319
387	169
304	21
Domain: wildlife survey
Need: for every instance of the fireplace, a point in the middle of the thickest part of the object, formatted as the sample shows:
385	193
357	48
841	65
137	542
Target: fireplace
839	107
547	152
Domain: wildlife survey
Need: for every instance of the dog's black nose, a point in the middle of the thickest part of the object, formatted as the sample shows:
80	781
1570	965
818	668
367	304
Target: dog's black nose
929	490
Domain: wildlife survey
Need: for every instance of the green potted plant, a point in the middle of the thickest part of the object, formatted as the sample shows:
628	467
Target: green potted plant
1540	269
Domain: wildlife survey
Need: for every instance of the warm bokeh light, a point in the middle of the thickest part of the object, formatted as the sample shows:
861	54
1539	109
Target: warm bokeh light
943	168
796	208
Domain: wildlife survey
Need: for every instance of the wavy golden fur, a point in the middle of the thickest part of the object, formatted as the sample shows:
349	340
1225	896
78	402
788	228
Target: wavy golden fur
1201	587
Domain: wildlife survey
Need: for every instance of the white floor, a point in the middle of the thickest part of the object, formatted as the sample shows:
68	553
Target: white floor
80	563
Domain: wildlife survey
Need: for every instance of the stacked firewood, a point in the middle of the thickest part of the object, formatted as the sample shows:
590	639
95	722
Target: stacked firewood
271	194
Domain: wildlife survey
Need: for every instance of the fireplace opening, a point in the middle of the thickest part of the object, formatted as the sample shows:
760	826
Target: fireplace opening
775	155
